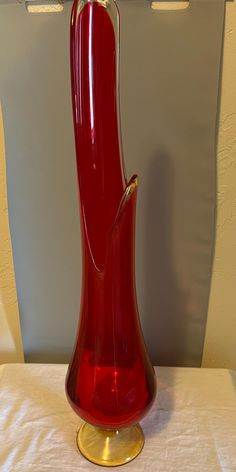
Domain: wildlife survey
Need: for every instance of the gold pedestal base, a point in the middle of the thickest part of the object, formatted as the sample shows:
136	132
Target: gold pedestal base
109	447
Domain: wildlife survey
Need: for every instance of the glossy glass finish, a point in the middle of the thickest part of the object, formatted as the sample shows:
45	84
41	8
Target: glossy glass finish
110	447
110	382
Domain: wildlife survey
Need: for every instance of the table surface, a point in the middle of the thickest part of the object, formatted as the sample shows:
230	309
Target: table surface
191	427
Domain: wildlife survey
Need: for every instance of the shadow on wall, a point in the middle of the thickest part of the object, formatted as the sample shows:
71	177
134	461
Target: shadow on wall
165	304
48	357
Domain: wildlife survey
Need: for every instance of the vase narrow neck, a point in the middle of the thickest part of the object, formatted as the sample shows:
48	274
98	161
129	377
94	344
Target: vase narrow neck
94	72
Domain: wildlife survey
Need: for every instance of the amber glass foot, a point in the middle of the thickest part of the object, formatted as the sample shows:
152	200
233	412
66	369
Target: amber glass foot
110	447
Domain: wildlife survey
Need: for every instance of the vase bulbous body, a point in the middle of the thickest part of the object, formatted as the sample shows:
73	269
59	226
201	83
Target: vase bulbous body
110	381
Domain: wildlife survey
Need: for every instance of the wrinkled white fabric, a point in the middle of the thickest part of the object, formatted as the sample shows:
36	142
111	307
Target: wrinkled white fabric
191	427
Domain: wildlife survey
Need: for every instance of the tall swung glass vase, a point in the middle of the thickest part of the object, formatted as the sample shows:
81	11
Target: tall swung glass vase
110	382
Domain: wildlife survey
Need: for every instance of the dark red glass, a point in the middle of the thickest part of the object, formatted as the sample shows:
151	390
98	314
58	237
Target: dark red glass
110	381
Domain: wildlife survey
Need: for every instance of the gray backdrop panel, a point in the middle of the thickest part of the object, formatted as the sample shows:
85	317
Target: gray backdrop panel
170	64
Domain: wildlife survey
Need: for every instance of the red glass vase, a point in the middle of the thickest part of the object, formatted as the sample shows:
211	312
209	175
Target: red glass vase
110	382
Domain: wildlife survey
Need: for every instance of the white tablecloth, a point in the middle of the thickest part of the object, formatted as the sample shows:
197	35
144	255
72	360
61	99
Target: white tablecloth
191	427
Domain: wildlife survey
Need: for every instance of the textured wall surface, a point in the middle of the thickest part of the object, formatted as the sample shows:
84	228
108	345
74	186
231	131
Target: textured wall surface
220	340
10	337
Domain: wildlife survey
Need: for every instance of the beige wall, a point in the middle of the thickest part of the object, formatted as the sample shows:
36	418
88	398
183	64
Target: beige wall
220	339
10	337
